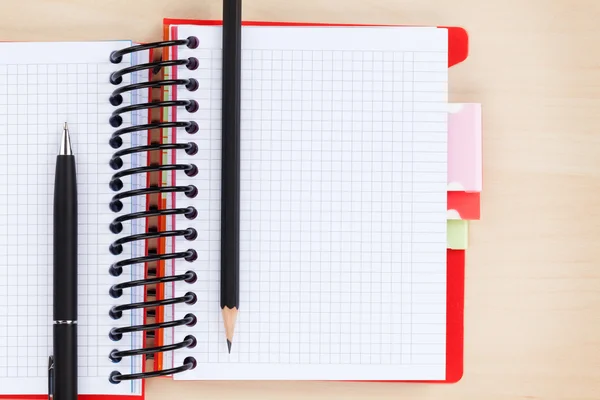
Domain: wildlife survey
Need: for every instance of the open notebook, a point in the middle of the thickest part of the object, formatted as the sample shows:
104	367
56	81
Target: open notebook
343	223
344	184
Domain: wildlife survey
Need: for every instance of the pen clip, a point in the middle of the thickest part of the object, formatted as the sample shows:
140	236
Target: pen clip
50	377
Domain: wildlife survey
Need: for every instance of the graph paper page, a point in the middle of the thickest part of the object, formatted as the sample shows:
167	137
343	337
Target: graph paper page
343	205
42	85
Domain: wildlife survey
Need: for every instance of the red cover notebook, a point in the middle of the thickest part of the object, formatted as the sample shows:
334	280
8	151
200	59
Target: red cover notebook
457	52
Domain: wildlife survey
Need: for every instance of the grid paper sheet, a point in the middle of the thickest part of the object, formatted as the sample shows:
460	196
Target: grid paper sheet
42	85
343	198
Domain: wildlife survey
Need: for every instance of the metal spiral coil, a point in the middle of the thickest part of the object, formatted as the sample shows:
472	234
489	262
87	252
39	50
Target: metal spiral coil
116	205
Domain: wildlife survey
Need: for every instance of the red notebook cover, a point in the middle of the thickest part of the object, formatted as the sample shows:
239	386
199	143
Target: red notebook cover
458	50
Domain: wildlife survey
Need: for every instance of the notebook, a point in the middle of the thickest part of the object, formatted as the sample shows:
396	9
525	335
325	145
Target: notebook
297	311
346	273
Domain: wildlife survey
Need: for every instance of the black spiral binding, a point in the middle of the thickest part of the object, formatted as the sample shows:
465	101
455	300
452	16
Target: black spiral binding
116	205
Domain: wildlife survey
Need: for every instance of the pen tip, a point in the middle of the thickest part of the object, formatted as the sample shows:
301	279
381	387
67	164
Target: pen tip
229	345
65	143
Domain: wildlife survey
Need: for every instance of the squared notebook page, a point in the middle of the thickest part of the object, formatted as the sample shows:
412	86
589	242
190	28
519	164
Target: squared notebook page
42	85
343	205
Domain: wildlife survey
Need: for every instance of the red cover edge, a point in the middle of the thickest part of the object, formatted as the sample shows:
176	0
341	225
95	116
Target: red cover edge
455	313
458	46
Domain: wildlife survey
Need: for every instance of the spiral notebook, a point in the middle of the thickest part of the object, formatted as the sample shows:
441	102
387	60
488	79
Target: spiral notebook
345	271
304	89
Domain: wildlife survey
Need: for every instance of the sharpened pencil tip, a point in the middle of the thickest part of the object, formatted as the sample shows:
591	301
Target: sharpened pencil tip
229	317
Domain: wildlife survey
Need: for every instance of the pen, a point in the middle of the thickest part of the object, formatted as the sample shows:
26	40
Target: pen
63	370
230	194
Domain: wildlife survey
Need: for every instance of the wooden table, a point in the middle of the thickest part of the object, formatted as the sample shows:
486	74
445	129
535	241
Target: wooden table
533	275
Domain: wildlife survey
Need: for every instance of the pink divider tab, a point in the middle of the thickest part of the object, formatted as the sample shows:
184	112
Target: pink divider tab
464	147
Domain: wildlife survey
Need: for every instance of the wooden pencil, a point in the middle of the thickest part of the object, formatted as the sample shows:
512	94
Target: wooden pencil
230	184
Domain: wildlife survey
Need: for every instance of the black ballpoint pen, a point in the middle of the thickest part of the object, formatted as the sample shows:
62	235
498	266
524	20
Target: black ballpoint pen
63	363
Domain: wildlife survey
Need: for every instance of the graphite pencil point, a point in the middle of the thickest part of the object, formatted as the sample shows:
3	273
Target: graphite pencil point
229	317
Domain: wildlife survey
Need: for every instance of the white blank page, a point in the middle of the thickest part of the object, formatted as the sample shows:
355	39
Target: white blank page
343	199
42	85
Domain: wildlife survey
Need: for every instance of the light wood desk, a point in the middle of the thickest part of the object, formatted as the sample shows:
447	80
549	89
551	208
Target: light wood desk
533	276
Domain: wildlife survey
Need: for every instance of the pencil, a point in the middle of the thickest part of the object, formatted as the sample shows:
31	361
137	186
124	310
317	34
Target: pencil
230	170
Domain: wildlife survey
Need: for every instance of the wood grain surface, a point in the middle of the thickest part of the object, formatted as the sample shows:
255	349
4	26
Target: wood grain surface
532	310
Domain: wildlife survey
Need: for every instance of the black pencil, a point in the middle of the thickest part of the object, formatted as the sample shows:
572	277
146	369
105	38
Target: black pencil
230	171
